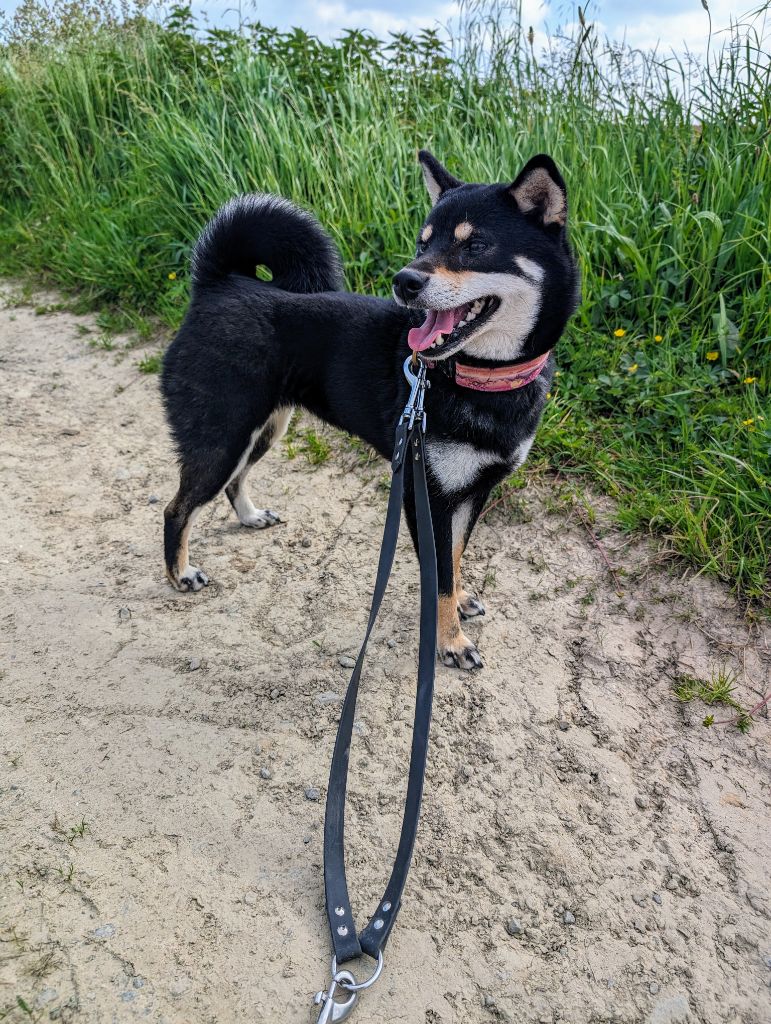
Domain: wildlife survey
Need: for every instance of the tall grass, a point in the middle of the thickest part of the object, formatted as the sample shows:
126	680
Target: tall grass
118	141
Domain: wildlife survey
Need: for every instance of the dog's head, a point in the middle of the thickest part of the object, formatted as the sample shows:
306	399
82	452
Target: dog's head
492	263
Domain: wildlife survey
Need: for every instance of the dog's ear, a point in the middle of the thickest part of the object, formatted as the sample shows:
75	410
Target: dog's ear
540	190
438	179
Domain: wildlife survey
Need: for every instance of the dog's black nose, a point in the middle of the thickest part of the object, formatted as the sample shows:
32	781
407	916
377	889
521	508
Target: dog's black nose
408	284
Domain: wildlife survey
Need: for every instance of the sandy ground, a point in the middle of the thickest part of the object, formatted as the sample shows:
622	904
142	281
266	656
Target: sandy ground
159	857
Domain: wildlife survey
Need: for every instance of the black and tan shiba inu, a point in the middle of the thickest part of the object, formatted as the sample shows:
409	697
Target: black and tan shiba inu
484	301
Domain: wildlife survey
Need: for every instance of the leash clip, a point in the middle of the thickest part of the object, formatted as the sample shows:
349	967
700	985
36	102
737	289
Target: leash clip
414	408
333	1011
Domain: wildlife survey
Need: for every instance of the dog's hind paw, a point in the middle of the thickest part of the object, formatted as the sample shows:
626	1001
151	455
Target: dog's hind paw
461	654
469	607
260	518
192	579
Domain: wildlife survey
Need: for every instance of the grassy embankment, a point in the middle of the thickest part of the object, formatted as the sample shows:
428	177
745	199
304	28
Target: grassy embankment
117	143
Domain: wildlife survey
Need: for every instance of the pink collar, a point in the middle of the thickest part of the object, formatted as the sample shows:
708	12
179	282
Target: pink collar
498	378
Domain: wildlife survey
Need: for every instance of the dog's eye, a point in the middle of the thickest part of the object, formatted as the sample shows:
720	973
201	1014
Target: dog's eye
421	246
475	246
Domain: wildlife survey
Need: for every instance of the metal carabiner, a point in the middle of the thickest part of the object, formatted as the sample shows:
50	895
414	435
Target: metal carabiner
331	1010
418	384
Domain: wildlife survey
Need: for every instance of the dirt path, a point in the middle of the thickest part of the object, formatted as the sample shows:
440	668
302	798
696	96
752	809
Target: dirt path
159	857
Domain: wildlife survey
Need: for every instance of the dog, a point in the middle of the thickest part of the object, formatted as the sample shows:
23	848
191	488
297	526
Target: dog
484	301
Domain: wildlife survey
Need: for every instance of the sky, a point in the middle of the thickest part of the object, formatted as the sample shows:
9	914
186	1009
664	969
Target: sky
673	24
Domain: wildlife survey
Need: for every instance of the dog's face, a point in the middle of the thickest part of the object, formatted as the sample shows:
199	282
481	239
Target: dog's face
491	260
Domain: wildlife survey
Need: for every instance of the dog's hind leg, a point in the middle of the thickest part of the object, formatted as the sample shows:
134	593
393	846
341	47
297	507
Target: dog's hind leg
199	481
264	438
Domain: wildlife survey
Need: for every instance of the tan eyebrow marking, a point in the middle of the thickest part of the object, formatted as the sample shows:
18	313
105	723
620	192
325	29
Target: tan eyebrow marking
426	233
463	231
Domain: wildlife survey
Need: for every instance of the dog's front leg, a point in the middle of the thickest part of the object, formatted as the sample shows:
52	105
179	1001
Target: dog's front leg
451	527
450	534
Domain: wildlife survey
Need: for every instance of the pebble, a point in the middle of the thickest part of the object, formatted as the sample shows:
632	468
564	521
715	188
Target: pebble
657	898
638	925
306	839
513	927
305	542
641	801
179	986
121	473
274	694
563	725
360	728
105	931
47	996
153	499
569	918
265	773
391	642
312	793
767	961
124	614
250	899
346	661
328	697
194	664
257	748
128	997
138	982
654	988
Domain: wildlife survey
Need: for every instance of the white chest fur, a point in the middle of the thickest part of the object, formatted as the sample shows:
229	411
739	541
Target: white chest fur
456	465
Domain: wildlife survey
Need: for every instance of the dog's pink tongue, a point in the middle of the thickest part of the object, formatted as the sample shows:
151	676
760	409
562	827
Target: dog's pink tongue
438	321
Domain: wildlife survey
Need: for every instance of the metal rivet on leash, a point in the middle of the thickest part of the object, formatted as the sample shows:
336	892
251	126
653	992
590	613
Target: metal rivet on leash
347	944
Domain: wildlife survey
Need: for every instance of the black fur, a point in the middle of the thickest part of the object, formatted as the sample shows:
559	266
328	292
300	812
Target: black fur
248	348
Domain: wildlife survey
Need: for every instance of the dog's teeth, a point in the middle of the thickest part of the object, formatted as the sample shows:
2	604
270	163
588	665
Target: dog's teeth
439	341
476	307
472	315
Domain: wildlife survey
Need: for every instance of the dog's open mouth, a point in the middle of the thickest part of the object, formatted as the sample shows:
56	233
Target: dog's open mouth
451	327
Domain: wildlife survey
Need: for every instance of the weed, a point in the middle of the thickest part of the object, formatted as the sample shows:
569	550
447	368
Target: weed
315	448
719	689
78	831
151	363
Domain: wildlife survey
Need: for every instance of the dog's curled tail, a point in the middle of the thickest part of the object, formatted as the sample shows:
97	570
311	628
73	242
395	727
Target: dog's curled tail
260	229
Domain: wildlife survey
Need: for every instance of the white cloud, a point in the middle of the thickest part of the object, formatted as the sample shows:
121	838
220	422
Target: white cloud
677	30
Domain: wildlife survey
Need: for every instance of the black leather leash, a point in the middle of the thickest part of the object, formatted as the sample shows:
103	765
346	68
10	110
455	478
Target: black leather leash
347	944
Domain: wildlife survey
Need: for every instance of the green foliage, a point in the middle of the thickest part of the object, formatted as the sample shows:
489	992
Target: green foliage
151	363
719	689
121	137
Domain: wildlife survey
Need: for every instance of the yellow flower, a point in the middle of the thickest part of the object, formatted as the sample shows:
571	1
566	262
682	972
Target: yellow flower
749	422
657	337
761	418
172	276
548	395
750	380
712	356
633	368
619	332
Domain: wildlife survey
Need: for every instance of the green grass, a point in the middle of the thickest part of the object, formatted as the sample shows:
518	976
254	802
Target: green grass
118	142
719	689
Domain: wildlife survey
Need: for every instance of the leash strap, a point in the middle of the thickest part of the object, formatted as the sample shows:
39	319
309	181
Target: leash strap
347	944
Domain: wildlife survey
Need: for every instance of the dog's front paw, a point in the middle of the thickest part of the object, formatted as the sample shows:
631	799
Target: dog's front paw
191	579
469	606
460	653
260	518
